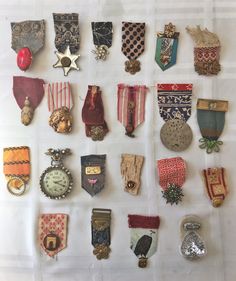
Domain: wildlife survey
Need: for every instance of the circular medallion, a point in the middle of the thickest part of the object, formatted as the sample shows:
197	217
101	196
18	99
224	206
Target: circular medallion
56	182
176	135
130	185
16	186
51	242
66	62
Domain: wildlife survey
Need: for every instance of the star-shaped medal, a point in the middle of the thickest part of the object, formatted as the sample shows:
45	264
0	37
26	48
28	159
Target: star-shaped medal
67	61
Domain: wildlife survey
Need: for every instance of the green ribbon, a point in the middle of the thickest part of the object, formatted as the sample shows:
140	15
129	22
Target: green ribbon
210	145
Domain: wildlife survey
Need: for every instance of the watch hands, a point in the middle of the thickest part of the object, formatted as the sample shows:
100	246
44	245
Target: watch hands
59	183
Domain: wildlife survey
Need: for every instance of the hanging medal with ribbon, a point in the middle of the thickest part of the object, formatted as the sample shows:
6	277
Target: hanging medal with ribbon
131	106
211	121
215	184
28	93
27	39
93	114
133	42
143	236
206	51
175	104
101	233
102	39
16	168
131	166
172	174
60	103
67	41
93	173
52	233
166	47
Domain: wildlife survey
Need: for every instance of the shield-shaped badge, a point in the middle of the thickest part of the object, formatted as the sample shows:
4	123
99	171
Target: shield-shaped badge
166	47
93	173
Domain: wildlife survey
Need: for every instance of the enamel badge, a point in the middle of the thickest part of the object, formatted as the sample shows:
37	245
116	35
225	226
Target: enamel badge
166	47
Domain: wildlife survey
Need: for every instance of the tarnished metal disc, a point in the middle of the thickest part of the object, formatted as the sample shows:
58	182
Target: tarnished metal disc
176	135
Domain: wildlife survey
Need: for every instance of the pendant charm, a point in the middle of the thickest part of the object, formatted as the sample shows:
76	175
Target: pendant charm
61	120
132	66
27	112
101	52
24	58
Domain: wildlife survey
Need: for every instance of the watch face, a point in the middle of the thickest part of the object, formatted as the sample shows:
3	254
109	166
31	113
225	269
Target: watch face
56	182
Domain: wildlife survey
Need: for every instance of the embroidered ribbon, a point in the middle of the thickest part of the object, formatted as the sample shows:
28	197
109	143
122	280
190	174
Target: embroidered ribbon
102	38
206	51
16	168
166	47
215	185
131	166
172	174
93	173
93	114
133	35
211	121
131	106
101	236
143	234
53	233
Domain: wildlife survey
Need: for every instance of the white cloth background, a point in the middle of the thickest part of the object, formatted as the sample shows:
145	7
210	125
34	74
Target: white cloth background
20	255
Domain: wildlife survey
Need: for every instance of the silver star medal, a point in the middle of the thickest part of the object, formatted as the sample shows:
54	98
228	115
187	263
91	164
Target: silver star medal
67	61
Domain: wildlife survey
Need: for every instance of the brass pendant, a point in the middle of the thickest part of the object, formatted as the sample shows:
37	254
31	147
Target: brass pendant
132	66
61	120
27	112
101	52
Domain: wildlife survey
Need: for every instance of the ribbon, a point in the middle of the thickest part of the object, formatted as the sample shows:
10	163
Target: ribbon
143	234
211	121
131	106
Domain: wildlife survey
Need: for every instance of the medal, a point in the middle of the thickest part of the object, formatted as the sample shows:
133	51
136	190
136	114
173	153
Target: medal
102	39
16	168
27	39
56	181
166	47
67	41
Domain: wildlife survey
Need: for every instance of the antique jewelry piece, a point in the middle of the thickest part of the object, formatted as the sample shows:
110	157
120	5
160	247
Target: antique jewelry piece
93	114
206	51
27	39
175	104
166	47
143	236
16	168
60	103
211	121
131	106
101	236
53	233
131	166
56	181
67	41
133	35
102	39
192	246
215	185
28	93
172	173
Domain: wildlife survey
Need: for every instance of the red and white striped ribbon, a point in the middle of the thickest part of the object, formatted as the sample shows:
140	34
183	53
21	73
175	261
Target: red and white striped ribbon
58	95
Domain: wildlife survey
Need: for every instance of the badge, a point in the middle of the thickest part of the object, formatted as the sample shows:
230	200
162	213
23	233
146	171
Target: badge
101	233
53	233
206	51
28	93
211	121
67	41
192	246
133	36
93	114
131	106
172	174
27	39
102	39
56	181
143	236
175	104
93	173
60	103
215	185
166	47
16	168
131	166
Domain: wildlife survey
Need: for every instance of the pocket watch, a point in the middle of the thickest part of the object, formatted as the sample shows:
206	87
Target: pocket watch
56	181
